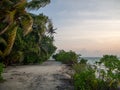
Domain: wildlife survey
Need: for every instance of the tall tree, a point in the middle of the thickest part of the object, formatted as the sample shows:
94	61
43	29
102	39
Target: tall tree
37	46
13	15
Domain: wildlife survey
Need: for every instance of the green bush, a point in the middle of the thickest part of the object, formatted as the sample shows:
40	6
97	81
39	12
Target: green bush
85	80
108	79
66	57
83	61
84	77
112	64
78	68
1	71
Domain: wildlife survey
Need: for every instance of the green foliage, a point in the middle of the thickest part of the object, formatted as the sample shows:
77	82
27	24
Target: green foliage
36	4
83	61
84	77
31	58
84	80
15	46
37	46
107	79
69	57
16	23
112	65
1	70
13	15
81	66
111	62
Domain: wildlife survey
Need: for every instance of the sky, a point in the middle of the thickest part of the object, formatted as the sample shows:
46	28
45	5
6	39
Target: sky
88	27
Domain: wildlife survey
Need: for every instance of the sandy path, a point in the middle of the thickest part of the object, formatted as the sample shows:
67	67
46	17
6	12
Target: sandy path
51	75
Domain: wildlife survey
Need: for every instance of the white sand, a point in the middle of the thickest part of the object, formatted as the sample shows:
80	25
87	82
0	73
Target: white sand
51	75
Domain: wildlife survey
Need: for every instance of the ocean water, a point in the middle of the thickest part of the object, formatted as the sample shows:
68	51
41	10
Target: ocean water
92	60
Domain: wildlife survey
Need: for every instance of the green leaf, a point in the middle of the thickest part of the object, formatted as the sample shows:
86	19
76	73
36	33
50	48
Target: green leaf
36	4
27	23
3	41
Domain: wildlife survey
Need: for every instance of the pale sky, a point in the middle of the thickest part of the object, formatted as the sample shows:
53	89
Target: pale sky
89	27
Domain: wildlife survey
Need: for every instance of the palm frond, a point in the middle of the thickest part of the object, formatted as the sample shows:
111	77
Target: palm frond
26	22
5	29
3	41
51	29
21	4
36	4
8	19
5	4
10	41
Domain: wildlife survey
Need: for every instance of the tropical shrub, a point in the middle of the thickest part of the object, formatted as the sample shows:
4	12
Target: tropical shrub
69	57
83	61
85	80
85	77
111	71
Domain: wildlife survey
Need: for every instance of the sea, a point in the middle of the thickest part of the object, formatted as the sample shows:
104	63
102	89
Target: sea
92	60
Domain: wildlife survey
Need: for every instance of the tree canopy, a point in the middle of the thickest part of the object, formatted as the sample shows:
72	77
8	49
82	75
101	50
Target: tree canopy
23	34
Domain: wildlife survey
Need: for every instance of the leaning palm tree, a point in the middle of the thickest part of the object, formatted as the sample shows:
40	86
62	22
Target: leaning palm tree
13	14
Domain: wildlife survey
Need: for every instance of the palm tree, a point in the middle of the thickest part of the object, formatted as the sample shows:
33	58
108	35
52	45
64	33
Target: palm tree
38	43
36	4
50	30
39	29
13	14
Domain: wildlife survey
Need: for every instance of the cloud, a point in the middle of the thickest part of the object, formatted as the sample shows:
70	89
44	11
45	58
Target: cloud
89	26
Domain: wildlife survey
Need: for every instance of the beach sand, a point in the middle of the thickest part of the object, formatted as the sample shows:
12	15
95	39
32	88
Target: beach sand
50	75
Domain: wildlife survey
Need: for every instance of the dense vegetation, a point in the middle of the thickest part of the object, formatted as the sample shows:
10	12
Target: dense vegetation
69	57
24	38
105	75
37	46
